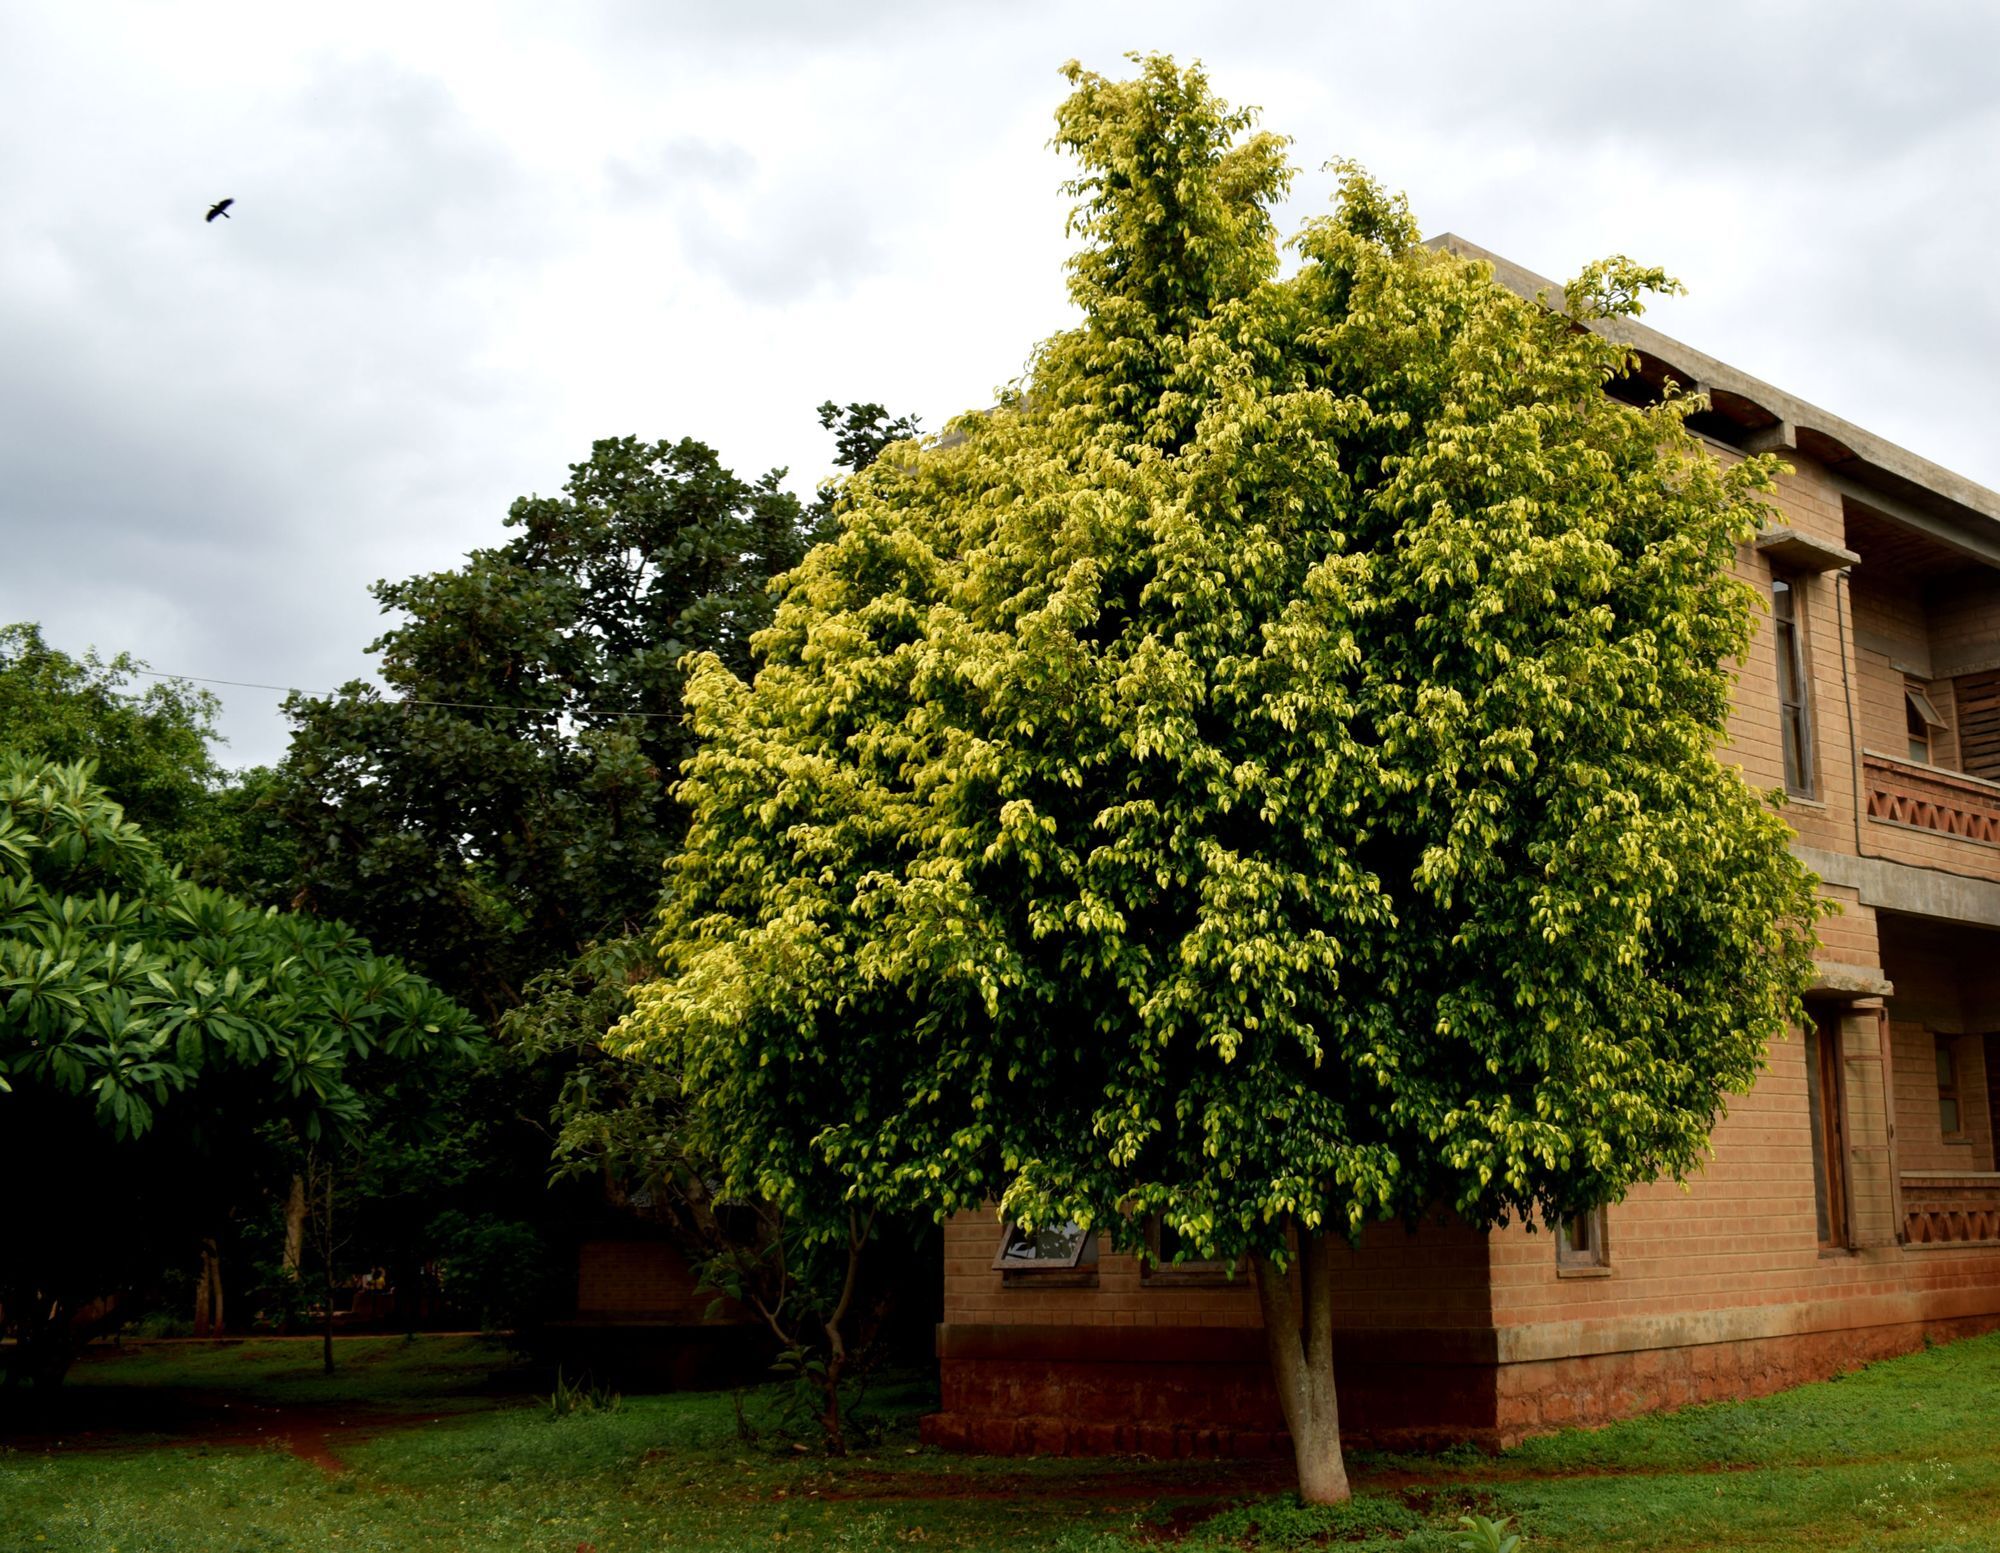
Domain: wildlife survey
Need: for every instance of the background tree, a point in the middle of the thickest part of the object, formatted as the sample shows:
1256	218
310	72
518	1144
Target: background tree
149	744
860	432
511	806
153	745
154	1036
504	820
1262	775
624	1126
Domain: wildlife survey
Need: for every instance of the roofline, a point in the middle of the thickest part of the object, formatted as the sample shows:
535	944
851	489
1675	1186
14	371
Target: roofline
1894	481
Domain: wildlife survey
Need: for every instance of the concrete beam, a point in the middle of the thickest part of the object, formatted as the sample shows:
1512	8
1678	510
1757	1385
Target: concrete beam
1976	542
1546	1341
1850	983
1802	552
1917	892
1782	437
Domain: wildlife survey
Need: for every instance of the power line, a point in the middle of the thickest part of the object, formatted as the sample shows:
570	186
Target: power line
468	706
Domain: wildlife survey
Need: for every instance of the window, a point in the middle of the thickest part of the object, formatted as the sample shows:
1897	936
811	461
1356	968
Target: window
1581	1242
1062	1253
1794	711
1921	713
1951	1114
1829	1146
1164	1243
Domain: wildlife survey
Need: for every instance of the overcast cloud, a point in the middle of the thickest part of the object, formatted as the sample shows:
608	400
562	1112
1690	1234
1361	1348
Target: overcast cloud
470	239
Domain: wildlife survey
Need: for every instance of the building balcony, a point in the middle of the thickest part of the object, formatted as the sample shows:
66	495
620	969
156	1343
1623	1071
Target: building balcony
1948	803
1951	1208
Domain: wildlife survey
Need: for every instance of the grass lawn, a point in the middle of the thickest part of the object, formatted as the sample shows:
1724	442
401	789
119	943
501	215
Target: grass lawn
433	1446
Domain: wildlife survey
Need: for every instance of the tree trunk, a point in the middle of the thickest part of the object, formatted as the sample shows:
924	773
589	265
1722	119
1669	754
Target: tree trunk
1297	1305
295	1228
836	1341
326	1272
208	1292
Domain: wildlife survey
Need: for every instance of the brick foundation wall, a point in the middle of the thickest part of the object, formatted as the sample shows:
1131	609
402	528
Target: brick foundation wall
1537	1396
1193	1391
1434	1277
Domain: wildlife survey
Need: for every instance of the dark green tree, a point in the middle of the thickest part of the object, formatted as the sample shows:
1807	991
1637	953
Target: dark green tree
506	803
622	1124
159	1044
151	743
154	745
860	432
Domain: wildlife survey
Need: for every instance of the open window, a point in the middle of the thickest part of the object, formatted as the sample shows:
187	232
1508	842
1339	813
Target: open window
1925	723
1583	1243
1057	1254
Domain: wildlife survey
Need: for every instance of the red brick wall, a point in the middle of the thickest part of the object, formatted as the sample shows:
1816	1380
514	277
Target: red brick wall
1435	1277
636	1278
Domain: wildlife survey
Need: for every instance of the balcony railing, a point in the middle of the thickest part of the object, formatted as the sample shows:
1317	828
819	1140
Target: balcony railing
1944	1208
1902	792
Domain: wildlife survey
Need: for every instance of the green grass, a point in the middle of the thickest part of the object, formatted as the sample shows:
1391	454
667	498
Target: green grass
385	1374
1903	1457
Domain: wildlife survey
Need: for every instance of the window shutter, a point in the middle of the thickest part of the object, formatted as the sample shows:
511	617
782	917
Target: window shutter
1871	1163
1978	698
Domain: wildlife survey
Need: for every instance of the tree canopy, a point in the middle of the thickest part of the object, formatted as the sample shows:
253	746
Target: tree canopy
150	1031
1263	773
150	745
512	805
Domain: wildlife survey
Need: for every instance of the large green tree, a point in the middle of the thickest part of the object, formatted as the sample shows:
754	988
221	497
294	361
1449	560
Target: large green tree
506	805
1262	774
502	816
159	1042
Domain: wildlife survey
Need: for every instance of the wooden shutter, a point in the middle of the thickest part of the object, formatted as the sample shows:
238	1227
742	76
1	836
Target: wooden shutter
1864	1103
1978	697
1886	1042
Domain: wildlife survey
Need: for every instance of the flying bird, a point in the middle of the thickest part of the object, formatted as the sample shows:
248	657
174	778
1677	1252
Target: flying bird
219	208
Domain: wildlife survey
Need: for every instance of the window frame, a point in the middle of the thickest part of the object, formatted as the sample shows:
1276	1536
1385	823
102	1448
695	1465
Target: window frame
1795	713
1826	1119
1078	1271
1922	720
1593	1257
1950	1074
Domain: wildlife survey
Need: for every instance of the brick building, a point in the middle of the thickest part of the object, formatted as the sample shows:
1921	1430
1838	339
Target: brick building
1852	1206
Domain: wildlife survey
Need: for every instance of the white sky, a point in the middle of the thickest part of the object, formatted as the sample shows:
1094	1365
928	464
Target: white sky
469	239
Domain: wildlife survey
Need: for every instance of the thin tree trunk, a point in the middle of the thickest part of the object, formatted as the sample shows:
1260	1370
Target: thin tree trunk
295	1228
208	1292
327	1279
1297	1306
836	1341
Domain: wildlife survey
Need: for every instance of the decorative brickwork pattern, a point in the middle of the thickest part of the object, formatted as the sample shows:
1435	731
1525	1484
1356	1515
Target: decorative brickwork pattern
1904	794
1938	1209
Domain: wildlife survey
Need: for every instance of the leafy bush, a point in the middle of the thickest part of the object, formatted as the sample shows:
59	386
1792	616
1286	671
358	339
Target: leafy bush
497	1271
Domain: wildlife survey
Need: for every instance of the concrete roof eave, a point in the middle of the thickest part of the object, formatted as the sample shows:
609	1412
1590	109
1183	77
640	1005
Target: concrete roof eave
1899	483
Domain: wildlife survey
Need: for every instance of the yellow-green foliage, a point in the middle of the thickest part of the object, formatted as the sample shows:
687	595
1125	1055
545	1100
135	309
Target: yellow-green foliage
1264	768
